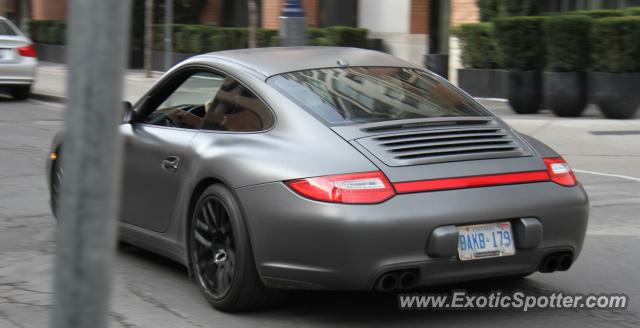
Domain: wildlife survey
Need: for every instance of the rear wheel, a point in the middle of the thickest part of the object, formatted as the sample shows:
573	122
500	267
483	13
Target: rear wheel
221	257
21	92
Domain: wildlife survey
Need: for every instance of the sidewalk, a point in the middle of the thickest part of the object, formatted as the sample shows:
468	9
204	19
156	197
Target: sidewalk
51	82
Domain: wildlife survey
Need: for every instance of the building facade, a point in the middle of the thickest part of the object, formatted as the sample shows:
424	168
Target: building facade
402	25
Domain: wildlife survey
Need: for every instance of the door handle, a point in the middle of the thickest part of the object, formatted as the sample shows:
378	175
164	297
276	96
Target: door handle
171	163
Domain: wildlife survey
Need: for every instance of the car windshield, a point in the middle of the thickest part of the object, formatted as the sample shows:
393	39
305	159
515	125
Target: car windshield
373	94
6	29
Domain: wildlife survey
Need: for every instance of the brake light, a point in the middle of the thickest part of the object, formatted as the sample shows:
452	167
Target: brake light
355	188
471	182
27	51
560	172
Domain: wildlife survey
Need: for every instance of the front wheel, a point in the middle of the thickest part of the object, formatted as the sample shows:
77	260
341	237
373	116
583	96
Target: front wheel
56	180
221	257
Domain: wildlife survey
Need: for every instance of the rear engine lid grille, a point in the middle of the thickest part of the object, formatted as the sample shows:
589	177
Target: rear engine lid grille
445	143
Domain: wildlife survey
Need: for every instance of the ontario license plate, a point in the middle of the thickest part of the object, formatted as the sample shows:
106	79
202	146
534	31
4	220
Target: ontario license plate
482	241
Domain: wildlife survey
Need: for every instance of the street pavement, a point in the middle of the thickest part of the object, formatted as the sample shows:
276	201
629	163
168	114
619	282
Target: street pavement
150	291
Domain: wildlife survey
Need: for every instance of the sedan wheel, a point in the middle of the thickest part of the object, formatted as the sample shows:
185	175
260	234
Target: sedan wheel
221	257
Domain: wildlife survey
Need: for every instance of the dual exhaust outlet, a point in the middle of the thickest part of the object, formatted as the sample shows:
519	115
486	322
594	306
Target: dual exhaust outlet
401	279
405	279
556	262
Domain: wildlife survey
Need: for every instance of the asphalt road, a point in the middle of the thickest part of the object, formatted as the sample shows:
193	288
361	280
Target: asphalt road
153	292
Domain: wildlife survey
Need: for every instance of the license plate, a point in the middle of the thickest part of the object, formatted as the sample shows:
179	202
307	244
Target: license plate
6	54
482	241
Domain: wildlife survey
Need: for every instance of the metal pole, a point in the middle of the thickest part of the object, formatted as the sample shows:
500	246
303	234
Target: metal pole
148	37
98	32
293	24
168	34
253	22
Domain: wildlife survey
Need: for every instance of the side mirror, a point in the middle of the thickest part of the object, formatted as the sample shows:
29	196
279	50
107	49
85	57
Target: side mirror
127	111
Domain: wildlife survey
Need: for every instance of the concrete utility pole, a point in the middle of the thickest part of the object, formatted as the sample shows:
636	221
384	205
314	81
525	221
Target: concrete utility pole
253	23
168	34
98	33
293	25
148	37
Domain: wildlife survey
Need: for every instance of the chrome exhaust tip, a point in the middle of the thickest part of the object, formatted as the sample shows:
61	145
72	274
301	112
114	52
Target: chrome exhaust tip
387	282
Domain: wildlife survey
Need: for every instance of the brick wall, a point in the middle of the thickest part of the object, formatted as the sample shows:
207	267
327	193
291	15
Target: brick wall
7	6
464	11
419	22
212	12
49	9
271	10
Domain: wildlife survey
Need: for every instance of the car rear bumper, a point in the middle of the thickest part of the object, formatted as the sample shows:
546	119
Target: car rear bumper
22	72
304	244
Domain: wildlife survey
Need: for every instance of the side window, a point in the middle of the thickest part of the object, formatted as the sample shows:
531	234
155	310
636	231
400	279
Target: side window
236	108
186	106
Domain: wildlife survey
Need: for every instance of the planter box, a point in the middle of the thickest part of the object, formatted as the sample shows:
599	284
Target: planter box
56	53
565	93
486	83
616	94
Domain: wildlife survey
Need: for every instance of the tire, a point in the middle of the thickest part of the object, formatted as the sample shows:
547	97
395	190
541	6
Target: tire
21	92
220	255
56	179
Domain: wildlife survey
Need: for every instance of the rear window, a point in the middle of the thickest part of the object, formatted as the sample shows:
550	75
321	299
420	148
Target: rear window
374	94
6	29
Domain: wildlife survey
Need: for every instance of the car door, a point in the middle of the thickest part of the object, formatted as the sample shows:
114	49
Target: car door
157	146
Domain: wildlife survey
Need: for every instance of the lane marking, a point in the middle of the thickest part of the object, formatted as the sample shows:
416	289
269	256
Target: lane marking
608	175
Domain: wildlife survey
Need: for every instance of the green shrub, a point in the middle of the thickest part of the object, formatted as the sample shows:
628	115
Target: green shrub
567	43
632	11
478	45
316	36
48	31
488	9
598	13
520	42
615	45
345	36
266	37
518	7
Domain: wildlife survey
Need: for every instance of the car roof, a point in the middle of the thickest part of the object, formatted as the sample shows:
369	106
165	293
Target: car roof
273	61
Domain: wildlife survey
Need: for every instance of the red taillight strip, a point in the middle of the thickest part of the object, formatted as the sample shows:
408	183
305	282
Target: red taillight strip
471	182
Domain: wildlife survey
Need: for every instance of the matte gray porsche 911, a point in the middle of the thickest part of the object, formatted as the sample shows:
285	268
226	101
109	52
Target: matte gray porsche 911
335	169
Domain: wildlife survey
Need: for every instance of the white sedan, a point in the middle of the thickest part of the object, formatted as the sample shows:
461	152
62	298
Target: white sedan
17	60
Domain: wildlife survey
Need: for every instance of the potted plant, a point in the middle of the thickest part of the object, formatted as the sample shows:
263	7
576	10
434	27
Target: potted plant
479	77
615	57
567	48
521	48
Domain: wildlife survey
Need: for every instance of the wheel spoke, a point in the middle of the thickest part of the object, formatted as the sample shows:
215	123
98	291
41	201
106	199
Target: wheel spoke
200	239
212	216
201	225
219	216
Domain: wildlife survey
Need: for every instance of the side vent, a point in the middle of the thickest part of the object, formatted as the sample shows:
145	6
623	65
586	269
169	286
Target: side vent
445	143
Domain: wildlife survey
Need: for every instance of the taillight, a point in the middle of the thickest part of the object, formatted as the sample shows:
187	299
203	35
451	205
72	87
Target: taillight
560	172
27	51
355	188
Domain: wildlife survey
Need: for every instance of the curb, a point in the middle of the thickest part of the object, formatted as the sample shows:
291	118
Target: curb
47	97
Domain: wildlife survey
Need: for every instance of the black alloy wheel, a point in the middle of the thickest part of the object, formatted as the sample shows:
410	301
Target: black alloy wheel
221	256
213	248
